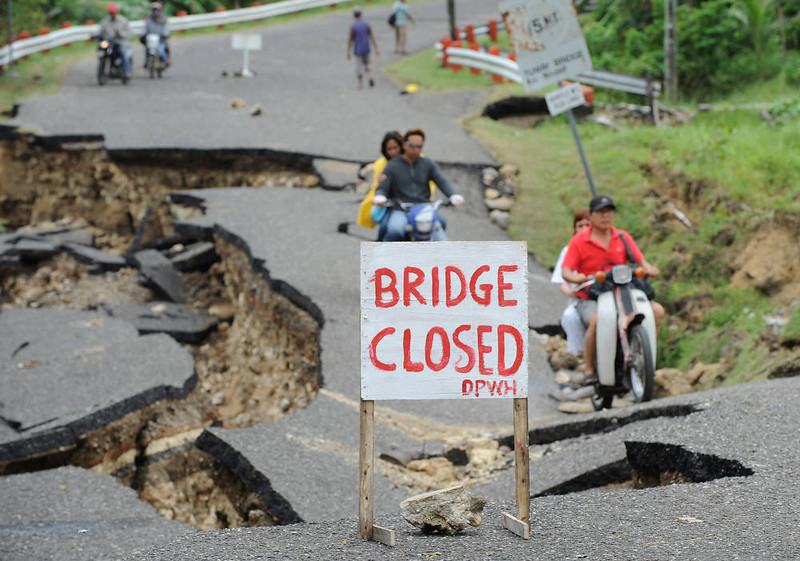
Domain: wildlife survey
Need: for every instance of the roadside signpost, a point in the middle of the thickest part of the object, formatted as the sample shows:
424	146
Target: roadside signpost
246	42
445	320
550	48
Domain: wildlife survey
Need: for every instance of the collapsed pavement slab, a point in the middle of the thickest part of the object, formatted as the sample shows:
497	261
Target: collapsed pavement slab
74	514
66	373
92	256
161	274
305	466
748	513
182	323
195	257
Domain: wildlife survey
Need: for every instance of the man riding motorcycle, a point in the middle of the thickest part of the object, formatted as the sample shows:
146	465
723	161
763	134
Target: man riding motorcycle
156	24
115	27
406	179
594	249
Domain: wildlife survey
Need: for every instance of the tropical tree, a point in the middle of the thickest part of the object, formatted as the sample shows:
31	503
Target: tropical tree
758	17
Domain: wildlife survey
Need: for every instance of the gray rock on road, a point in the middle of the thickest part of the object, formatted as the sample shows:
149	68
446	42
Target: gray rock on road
447	511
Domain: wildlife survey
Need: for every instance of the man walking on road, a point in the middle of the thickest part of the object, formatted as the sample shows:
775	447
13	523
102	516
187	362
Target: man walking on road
401	18
358	44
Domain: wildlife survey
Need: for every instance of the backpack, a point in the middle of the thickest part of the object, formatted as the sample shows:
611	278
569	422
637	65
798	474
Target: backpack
392	19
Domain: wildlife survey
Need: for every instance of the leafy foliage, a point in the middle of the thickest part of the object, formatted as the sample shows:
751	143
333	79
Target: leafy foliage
721	43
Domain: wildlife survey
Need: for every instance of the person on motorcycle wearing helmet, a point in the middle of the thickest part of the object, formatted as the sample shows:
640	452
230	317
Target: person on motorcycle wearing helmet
156	23
598	248
407	179
115	27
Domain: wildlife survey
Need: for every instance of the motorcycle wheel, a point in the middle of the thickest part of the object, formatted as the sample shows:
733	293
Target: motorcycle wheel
101	71
125	80
151	66
642	369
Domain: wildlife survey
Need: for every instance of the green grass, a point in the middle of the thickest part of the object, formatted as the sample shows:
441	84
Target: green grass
745	172
40	74
425	70
791	333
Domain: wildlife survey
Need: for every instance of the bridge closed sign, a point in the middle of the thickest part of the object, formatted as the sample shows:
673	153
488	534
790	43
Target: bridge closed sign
548	41
444	320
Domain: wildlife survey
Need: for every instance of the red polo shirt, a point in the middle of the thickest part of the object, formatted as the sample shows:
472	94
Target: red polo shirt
584	255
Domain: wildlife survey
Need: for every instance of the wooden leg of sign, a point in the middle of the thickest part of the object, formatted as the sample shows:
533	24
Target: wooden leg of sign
367	529
366	466
521	524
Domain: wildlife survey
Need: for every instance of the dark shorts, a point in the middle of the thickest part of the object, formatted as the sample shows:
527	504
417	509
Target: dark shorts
362	64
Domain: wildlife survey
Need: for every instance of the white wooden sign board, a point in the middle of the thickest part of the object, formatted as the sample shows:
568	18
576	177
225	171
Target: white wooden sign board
246	42
564	99
444	320
548	41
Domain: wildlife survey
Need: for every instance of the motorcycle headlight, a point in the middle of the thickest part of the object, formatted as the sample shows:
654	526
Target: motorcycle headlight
622	274
424	226
104	44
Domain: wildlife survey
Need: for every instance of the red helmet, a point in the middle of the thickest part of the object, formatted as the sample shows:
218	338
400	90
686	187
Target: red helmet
112	8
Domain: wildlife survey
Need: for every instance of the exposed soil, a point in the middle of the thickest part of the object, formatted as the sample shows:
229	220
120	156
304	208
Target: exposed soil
261	363
113	191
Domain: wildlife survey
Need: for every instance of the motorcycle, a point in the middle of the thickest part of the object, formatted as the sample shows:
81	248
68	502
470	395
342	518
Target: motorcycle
110	62
626	338
155	63
423	219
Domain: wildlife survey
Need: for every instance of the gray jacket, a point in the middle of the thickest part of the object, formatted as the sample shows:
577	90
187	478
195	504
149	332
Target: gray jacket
409	183
117	28
157	26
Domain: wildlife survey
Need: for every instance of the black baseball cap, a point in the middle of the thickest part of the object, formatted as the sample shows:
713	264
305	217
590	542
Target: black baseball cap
600	202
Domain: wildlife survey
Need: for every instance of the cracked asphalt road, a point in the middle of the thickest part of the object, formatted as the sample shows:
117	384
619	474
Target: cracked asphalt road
304	84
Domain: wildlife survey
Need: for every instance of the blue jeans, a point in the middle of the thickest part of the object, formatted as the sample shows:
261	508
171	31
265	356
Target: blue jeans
127	59
396	223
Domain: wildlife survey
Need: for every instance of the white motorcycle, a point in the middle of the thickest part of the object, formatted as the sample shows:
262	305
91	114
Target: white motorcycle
626	338
154	63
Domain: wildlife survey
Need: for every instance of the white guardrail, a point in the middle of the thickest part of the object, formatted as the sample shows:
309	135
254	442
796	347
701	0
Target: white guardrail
509	69
25	47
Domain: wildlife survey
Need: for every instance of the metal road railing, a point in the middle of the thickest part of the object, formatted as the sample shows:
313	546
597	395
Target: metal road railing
25	47
509	69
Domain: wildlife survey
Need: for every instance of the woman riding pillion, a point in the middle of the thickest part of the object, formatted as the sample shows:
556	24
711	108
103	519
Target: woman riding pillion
406	179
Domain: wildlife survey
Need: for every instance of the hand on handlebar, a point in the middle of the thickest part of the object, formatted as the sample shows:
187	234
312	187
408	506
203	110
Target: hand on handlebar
456	199
379	200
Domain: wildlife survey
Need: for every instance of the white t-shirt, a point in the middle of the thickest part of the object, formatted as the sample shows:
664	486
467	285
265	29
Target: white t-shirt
557	278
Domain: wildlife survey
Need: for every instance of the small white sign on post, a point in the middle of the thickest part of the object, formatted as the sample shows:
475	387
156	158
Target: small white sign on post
445	320
548	41
564	99
246	42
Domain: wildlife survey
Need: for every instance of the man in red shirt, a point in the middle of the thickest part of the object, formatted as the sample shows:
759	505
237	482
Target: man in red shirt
598	248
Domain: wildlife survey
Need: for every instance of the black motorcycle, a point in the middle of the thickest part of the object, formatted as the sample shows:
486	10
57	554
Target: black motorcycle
110	63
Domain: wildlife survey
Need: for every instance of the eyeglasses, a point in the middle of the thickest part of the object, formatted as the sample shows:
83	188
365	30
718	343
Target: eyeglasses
414	146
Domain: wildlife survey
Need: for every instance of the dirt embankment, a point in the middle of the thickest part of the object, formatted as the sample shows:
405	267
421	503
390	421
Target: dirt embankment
260	363
744	249
113	191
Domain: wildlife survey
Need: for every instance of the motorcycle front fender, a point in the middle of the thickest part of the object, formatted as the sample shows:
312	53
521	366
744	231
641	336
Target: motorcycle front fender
649	322
607	333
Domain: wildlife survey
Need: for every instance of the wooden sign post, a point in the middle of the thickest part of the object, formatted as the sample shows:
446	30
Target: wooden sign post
445	320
